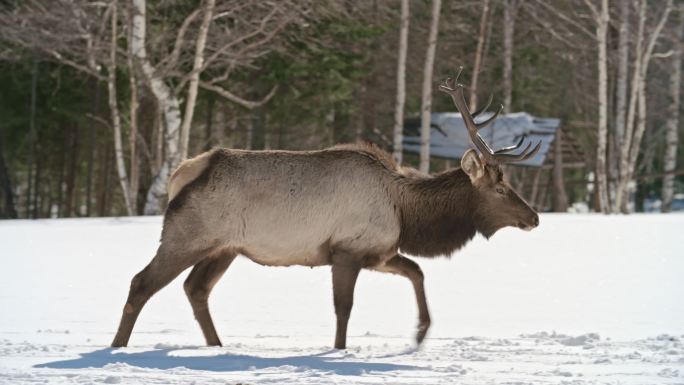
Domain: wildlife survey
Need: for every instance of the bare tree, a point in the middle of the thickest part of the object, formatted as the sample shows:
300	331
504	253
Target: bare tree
481	37
74	34
401	82
242	31
602	19
133	108
510	14
114	110
621	98
6	183
636	113
672	126
208	13
426	100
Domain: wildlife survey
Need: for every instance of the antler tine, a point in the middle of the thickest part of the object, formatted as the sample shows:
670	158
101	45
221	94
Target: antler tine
458	74
511	148
456	92
454	89
483	109
486	122
450	84
524	155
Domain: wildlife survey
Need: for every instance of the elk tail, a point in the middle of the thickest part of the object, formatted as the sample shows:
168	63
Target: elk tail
187	172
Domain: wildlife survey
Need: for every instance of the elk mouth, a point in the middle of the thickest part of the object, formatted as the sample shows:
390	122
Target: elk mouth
526	227
529	226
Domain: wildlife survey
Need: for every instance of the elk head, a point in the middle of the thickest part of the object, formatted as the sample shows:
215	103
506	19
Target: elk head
498	204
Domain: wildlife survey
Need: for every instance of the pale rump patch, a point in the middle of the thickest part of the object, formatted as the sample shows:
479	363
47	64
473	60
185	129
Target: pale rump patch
186	172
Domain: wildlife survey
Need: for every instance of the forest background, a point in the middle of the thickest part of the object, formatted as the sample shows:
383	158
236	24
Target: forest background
100	100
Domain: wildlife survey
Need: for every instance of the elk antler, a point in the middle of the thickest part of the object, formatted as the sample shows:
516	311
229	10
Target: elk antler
491	156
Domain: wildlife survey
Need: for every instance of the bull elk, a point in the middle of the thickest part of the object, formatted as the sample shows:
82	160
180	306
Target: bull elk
350	206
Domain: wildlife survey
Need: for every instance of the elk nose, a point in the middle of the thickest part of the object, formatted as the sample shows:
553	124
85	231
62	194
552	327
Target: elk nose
535	220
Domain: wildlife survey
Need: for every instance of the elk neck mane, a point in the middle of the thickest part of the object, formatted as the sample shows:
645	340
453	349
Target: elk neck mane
437	213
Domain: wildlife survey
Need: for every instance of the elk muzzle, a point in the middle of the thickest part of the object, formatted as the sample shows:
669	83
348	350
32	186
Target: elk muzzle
529	223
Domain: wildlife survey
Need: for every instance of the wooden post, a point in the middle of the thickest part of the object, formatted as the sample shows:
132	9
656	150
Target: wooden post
560	198
541	204
535	186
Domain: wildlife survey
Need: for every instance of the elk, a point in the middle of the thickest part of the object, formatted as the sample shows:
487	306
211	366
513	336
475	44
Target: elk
350	206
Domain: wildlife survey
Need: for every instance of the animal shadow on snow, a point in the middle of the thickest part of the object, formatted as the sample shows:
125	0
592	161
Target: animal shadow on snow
227	362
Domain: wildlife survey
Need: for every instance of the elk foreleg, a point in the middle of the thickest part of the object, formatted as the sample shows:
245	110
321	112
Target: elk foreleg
345	270
405	267
198	286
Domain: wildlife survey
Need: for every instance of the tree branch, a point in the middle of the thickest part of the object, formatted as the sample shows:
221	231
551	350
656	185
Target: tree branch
236	99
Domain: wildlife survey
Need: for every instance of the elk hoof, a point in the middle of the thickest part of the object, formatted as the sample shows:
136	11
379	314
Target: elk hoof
422	331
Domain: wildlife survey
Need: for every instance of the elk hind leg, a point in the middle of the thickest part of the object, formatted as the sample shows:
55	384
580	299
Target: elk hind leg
198	286
405	267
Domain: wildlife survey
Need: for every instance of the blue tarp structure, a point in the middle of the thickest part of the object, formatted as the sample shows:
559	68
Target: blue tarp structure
449	137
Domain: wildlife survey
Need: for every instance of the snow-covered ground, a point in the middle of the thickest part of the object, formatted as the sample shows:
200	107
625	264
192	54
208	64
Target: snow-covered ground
583	299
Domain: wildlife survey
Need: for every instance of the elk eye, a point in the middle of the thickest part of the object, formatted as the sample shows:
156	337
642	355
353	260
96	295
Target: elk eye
500	190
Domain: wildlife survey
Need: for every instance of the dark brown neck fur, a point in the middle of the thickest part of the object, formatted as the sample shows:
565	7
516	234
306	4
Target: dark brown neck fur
437	214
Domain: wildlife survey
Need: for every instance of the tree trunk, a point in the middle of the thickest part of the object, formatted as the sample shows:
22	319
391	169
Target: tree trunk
426	104
103	195
621	96
31	137
258	129
560	198
478	54
672	126
401	83
194	77
60	180
134	163
535	186
632	142
35	213
6	183
631	110
209	124
601	37
116	119
510	14
71	175
168	103
92	146
218	128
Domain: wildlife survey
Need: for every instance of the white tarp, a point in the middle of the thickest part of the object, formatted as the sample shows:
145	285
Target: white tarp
505	131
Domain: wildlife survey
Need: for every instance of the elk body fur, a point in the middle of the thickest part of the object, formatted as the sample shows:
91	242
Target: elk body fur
282	208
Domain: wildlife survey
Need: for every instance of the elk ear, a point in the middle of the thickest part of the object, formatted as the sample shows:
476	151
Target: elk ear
472	165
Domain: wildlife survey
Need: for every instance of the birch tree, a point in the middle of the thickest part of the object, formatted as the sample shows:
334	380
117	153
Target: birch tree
636	113
602	19
426	99
208	13
243	30
168	104
621	98
479	51
401	82
672	125
114	110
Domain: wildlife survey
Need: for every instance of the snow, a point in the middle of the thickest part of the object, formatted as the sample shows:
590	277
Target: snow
583	299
